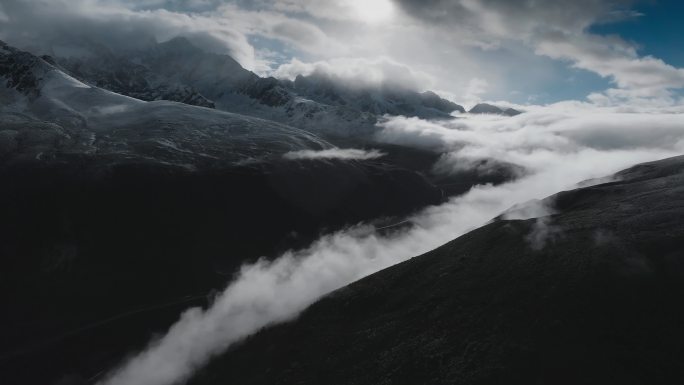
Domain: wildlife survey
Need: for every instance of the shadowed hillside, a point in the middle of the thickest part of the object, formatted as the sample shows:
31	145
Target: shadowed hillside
590	295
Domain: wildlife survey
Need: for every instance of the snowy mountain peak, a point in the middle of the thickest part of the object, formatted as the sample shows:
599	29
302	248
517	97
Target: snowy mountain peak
62	115
131	76
378	100
21	70
178	70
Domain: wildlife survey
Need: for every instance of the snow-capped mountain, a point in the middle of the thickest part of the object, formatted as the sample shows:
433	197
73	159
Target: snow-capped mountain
131	79
376	100
46	112
114	203
179	71
128	211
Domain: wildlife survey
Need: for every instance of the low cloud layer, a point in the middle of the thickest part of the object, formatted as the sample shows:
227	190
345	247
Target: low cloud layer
335	153
558	147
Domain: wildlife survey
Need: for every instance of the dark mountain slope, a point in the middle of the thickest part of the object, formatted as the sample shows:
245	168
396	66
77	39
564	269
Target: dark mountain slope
484	108
599	303
119	213
132	79
342	113
378	100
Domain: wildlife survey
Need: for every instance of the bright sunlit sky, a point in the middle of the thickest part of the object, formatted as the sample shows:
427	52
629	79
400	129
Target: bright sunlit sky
522	51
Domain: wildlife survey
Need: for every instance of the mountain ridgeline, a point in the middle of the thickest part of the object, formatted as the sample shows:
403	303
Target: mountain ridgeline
484	108
177	70
123	212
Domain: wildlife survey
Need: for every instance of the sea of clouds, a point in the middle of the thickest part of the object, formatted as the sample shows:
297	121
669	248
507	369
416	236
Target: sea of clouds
558	146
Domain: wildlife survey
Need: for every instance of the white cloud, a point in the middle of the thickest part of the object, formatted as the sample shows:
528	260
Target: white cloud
350	10
360	71
441	42
300	33
42	24
611	57
476	88
303	35
558	29
560	145
335	153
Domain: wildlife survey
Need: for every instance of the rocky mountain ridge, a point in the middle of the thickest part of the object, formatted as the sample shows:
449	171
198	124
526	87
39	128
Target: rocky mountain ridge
179	71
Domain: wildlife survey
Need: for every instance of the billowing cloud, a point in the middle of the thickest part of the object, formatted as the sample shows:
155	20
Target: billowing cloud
455	46
335	153
476	88
350	10
373	72
559	30
305	34
560	145
523	139
64	27
301	35
611	57
45	26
